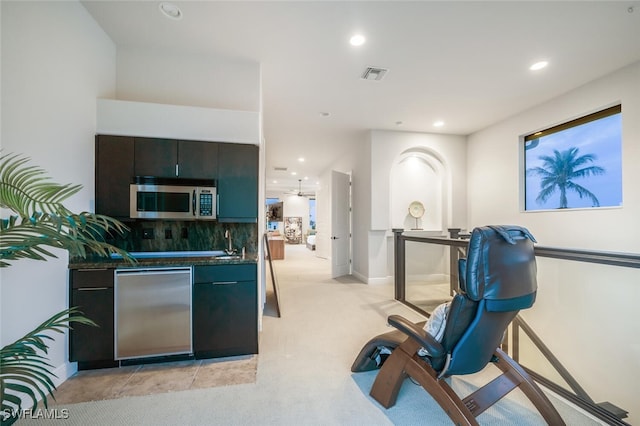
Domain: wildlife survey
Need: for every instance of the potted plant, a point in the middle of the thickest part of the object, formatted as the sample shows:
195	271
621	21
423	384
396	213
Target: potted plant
39	221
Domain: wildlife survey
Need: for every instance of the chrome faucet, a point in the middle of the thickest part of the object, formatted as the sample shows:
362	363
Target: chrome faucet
227	235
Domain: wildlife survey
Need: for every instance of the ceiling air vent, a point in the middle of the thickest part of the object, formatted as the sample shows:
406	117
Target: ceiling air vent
280	169
374	73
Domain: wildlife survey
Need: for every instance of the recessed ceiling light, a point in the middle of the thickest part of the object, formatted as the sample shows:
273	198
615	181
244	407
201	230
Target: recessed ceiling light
539	65
293	173
357	40
306	178
170	10
275	181
438	123
301	159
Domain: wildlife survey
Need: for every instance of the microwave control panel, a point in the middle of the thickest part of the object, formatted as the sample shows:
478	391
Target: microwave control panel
206	204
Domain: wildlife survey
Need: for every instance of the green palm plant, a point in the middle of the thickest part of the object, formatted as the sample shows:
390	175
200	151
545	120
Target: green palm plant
559	171
40	222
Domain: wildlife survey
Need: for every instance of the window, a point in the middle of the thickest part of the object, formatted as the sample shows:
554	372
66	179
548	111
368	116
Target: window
312	213
577	164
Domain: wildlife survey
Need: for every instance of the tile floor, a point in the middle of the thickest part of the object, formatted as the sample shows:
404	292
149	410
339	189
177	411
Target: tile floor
147	379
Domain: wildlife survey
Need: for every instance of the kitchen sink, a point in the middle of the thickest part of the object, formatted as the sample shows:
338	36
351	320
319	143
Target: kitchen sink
160	254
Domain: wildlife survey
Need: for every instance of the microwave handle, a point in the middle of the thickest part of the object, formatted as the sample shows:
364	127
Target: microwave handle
193	202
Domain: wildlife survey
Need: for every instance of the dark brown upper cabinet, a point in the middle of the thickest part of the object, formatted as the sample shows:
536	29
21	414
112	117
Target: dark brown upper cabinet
173	158
114	170
233	166
197	160
237	183
156	157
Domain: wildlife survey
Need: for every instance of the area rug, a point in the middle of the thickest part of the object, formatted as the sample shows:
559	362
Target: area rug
150	379
415	406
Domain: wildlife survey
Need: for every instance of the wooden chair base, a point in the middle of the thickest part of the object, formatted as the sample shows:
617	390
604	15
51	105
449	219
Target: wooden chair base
404	362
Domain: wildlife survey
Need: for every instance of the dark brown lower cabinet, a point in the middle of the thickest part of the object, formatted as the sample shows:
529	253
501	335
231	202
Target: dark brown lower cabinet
92	292
225	317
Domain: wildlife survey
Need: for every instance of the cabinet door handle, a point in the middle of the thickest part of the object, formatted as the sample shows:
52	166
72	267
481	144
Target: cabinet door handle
223	282
92	269
92	288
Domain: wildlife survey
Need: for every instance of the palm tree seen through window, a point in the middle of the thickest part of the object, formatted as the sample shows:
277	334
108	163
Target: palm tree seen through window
575	164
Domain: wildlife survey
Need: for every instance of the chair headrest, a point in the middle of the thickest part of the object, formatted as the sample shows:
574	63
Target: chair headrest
501	267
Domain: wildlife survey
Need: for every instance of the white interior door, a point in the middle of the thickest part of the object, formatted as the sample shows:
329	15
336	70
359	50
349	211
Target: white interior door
340	224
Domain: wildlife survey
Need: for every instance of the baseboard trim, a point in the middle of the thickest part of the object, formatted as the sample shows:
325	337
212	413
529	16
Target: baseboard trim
380	281
63	372
372	281
359	276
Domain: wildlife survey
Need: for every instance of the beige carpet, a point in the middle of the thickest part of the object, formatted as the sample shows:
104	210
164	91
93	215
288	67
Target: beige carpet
150	379
303	375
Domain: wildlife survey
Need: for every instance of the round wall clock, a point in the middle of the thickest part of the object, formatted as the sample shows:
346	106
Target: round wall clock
416	210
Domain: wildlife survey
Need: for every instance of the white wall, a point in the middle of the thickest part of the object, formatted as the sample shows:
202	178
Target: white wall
415	178
191	79
494	176
449	150
355	160
55	62
116	117
594	304
447	157
371	161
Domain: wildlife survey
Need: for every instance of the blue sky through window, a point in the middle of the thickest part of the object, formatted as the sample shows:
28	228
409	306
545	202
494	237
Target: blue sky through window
603	139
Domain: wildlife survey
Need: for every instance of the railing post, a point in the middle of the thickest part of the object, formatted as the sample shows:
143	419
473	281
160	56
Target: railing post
454	232
453	262
399	264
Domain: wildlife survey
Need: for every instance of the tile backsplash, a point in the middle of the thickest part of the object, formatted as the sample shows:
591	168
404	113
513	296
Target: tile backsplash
172	235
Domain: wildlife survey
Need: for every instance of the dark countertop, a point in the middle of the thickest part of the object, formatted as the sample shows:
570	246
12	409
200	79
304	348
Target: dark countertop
95	262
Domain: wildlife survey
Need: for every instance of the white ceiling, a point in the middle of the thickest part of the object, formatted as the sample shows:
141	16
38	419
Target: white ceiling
465	63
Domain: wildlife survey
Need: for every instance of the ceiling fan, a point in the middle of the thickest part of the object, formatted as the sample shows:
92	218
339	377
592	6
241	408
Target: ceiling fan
299	192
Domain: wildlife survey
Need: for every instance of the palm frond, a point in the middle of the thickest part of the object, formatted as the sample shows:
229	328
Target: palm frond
584	193
77	233
41	222
559	171
26	189
25	369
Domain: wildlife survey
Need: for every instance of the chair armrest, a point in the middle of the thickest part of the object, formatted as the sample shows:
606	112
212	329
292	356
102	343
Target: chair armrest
418	334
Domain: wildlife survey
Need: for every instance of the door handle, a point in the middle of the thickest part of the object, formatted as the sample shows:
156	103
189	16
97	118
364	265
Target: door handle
334	238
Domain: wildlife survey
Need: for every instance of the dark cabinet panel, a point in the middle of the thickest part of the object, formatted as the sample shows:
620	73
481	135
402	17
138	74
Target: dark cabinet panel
197	160
224	273
114	170
92	292
156	157
237	182
225	319
233	166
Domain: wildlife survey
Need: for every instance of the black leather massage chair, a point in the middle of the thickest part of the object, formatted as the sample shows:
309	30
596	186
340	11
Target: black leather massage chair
497	279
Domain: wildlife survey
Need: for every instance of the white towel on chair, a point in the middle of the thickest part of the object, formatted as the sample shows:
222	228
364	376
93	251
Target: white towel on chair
435	325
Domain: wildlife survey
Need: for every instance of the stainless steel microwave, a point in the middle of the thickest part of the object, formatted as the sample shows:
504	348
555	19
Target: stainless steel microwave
172	198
